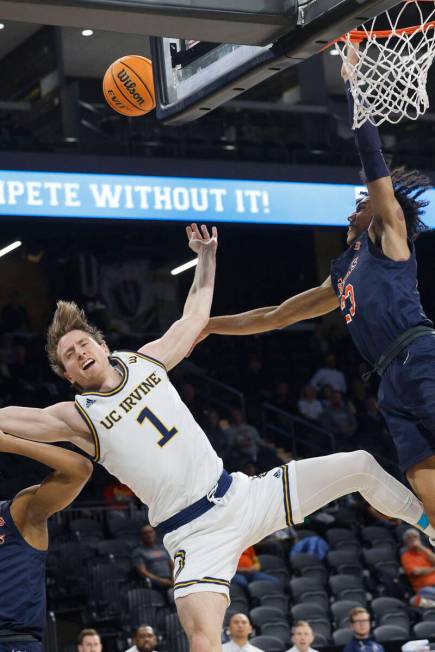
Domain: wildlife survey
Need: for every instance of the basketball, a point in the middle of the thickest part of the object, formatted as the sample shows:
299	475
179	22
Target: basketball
128	86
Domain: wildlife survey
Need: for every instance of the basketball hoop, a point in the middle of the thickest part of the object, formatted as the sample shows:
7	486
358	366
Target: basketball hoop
389	74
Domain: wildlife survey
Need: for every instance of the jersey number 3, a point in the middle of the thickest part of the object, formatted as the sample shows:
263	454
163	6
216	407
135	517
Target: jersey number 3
158	425
348	294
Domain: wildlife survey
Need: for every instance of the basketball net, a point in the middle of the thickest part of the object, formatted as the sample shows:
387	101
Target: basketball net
389	74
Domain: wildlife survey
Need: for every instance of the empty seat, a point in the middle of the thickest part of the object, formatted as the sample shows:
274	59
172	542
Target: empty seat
308	565
268	643
377	536
320	640
342	636
343	587
268	594
373	556
340	538
308	610
275	566
345	562
386	633
279	630
113	547
397	618
425	629
119	526
259	616
321	626
341	609
303	533
240	605
308	589
381	606
175	636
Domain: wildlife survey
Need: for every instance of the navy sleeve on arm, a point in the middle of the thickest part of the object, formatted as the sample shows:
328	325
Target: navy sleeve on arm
368	144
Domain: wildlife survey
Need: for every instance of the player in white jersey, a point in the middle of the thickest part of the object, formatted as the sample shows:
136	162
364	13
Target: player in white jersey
128	416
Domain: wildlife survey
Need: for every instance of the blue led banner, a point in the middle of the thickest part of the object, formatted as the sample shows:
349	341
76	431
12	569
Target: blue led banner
47	194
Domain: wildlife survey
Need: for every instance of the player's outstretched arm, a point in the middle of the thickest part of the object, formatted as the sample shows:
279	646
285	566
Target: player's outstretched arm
59	422
71	471
388	217
307	305
175	344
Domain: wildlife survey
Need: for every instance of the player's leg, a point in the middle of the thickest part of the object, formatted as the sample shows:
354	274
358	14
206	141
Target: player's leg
202	617
318	481
421	477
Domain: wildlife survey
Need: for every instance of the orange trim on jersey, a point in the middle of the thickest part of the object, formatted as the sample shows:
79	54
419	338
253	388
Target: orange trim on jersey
117	389
91	427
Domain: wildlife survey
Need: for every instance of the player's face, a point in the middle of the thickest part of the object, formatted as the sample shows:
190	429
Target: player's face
360	220
84	360
145	639
302	637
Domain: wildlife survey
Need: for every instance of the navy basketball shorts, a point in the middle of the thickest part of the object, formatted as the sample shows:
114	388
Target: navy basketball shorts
206	551
20	646
407	401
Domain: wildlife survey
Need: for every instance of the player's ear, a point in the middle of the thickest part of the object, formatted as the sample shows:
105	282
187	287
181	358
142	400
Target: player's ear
67	377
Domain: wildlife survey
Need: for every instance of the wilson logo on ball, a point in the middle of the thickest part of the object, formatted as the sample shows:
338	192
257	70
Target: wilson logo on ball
130	86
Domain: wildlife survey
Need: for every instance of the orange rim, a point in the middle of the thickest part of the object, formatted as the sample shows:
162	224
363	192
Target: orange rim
359	35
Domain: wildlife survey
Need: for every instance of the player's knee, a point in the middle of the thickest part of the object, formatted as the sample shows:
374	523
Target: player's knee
362	462
200	642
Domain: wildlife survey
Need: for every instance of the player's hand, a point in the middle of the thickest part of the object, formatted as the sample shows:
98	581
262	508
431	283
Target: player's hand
352	57
200	239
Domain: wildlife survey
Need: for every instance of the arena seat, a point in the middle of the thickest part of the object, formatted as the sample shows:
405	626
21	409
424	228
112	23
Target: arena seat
397	618
320	640
429	614
348	587
386	633
307	611
279	630
268	594
308	565
345	562
86	530
340	538
303	533
259	616
275	566
383	605
113	547
268	643
240	605
425	629
377	536
308	589
175	636
342	636
321	626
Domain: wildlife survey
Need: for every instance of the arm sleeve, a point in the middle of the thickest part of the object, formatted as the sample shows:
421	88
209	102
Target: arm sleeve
368	144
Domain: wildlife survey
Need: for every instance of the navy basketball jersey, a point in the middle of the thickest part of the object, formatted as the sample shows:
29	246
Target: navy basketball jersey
22	580
377	296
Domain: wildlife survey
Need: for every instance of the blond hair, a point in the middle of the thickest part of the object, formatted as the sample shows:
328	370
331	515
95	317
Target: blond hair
355	611
67	317
301	623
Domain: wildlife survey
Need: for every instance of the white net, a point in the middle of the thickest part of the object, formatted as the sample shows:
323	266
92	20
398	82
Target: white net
391	61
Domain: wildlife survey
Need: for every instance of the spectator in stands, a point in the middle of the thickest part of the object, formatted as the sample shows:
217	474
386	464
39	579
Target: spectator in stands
330	375
217	435
361	641
89	640
338	417
144	639
151	560
326	395
302	637
239	630
188	394
243	438
249	569
418	562
309	405
281	396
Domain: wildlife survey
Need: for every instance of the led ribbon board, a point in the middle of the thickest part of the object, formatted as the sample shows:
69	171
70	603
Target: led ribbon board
69	195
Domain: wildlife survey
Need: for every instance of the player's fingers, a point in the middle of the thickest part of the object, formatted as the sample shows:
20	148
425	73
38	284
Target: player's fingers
188	232
214	233
195	231
205	233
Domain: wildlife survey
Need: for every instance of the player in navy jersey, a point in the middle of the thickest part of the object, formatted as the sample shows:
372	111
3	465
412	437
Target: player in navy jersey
374	283
24	540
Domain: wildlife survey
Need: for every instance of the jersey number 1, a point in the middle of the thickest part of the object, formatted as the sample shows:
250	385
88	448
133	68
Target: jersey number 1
158	425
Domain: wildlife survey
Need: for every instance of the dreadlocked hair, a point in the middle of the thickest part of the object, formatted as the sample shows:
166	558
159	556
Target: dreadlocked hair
408	186
67	317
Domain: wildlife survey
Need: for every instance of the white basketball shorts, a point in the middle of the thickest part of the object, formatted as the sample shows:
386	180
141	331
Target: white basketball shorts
207	550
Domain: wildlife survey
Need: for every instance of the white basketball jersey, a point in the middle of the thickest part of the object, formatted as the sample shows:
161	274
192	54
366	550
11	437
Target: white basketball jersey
147	438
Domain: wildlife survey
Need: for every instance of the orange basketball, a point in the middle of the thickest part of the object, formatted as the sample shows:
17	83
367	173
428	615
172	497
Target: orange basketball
128	86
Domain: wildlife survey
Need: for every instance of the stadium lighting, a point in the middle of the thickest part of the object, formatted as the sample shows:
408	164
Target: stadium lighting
2	25
334	52
182	268
87	32
9	248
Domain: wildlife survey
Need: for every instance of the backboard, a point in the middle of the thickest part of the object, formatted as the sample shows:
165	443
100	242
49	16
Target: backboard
194	77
